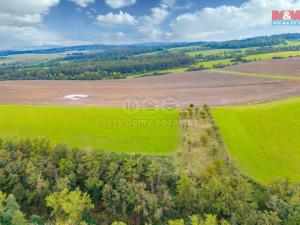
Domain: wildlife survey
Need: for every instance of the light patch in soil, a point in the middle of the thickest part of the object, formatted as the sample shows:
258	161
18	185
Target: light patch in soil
75	97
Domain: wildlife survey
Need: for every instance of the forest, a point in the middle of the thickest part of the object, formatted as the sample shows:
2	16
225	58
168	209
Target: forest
62	186
94	69
44	184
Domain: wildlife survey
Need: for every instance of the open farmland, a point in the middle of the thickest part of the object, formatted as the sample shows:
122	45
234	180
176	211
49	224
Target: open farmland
210	52
25	58
211	64
246	83
194	87
167	112
144	131
284	67
264	138
267	56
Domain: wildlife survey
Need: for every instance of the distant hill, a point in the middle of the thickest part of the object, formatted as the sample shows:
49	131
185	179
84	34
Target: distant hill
254	42
233	44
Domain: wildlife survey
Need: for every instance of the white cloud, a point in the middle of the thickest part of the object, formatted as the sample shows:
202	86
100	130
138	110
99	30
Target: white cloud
111	19
169	3
229	22
120	34
83	3
150	25
143	28
115	4
21	22
13	36
22	7
159	14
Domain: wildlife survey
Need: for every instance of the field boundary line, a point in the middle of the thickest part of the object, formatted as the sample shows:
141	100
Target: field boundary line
262	75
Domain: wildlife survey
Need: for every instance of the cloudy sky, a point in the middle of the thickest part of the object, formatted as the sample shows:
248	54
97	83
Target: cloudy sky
25	23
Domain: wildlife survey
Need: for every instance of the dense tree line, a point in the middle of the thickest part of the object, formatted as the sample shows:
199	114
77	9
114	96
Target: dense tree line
246	43
98	48
240	53
271	49
65	186
94	69
117	54
254	42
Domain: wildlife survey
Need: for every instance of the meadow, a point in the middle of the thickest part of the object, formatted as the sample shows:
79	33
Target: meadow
211	64
159	72
263	138
267	56
289	43
30	58
108	129
210	52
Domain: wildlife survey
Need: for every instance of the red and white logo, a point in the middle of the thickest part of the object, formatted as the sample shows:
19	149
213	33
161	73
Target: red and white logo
286	17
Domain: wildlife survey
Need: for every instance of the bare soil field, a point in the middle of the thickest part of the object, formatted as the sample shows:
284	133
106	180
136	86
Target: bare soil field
286	66
198	88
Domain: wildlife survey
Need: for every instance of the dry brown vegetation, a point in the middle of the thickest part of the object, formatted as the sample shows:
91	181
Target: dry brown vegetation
201	144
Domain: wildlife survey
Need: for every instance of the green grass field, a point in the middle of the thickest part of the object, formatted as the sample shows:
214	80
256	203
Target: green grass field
210	52
185	48
152	73
30	57
267	56
145	131
210	64
289	43
264	138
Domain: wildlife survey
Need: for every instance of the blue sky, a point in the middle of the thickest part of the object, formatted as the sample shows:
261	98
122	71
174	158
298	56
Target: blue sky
68	18
71	22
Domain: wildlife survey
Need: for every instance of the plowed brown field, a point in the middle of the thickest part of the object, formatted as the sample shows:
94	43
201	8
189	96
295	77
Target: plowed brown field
193	87
287	66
